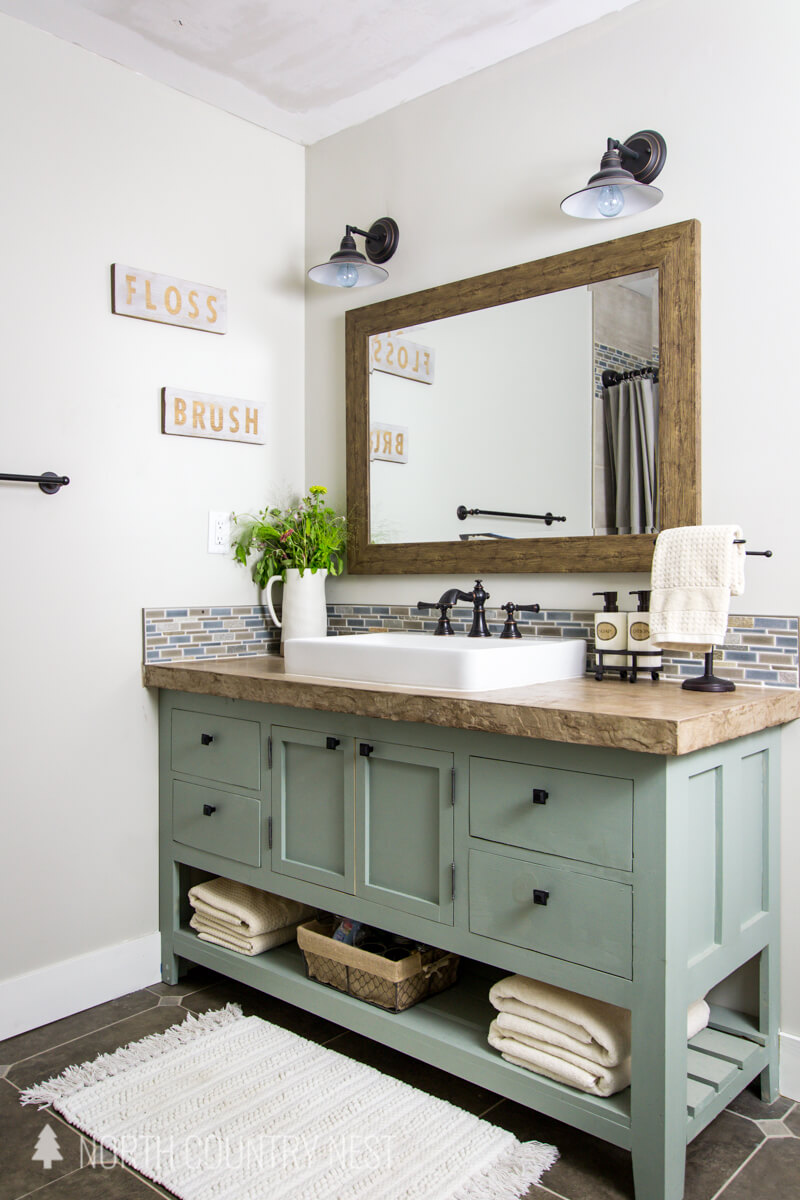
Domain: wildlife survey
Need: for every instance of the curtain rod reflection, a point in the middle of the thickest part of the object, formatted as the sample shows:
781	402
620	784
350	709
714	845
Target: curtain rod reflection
462	512
610	378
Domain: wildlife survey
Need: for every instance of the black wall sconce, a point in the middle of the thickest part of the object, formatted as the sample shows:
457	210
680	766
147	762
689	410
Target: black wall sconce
622	185
348	267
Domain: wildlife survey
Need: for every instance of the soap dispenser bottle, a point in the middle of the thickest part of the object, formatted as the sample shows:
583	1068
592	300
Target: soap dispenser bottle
611	630
639	633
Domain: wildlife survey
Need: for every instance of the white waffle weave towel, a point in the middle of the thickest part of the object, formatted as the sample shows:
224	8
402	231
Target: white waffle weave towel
696	570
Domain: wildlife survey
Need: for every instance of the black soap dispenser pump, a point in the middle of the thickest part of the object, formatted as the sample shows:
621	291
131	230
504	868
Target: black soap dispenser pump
611	630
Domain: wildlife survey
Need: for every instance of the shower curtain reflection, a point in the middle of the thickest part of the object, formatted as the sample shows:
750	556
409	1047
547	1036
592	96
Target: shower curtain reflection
630	410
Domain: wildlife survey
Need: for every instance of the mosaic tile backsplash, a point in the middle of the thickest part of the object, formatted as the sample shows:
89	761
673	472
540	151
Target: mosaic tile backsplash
757	650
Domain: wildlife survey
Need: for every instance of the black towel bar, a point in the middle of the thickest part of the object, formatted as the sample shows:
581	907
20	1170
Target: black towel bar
49	482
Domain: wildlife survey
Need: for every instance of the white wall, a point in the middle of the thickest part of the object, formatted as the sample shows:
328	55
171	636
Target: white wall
474	174
102	165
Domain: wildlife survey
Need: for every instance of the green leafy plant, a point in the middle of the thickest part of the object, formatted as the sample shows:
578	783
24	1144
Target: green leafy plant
308	536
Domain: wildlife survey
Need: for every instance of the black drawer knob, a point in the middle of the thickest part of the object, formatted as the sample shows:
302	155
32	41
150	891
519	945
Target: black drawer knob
540	796
208	809
540	896
206	739
365	750
331	743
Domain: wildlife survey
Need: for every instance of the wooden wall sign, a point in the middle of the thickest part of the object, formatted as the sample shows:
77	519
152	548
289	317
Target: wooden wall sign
388	443
195	414
151	297
398	356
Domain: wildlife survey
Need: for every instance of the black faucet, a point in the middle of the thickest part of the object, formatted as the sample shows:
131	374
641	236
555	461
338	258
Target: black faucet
477	598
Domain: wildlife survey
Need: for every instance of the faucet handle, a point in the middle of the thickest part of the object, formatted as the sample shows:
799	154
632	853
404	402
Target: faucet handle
443	626
510	628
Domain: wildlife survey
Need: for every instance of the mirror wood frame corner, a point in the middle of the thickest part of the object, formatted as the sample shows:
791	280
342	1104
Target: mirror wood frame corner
674	251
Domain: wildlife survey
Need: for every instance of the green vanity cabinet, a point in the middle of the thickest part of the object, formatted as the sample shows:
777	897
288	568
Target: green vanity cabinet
312	806
637	878
368	818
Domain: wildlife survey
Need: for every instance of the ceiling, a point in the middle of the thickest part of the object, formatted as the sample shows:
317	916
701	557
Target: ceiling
308	68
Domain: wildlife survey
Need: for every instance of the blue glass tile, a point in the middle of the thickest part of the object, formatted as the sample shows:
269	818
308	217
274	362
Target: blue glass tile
771	623
220	612
176	639
739	656
213	625
750	673
789	642
177	612
192	652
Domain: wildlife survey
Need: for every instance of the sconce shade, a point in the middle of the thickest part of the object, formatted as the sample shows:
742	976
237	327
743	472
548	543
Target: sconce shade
622	185
348	267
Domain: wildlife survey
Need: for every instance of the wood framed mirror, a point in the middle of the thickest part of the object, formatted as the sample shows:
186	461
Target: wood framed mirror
669	259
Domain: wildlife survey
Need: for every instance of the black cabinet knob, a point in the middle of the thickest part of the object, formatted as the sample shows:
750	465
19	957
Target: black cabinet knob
206	739
540	796
208	809
540	896
365	750
331	743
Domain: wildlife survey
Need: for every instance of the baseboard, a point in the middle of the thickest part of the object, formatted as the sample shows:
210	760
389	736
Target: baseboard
67	987
790	1066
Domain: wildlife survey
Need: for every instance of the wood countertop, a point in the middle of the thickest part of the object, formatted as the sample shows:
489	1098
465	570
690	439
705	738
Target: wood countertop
652	717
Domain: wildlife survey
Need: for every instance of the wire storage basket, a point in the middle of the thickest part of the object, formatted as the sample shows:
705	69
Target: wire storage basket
393	986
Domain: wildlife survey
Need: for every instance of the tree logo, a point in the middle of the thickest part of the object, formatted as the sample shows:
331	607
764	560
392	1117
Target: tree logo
47	1150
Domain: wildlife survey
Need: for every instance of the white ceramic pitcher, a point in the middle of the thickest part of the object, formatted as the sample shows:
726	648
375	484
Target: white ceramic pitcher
303	607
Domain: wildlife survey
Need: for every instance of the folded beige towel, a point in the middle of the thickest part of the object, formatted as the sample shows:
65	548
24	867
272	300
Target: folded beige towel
562	1066
222	935
561	1021
245	909
696	570
593	1029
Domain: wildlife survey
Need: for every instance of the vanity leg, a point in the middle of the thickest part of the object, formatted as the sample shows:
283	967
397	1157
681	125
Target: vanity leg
768	1020
170	903
658	1105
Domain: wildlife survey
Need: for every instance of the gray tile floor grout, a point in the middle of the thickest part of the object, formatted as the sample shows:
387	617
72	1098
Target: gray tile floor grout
728	1182
725	1163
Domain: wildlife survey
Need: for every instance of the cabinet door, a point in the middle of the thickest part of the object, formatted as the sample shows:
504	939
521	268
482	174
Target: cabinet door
312	806
404	828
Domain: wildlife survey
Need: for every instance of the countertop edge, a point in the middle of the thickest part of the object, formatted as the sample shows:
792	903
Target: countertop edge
643	733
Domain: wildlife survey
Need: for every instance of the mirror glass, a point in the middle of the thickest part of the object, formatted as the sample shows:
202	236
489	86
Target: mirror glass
485	397
504	410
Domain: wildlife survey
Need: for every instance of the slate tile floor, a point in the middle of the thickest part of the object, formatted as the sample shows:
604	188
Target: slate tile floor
751	1152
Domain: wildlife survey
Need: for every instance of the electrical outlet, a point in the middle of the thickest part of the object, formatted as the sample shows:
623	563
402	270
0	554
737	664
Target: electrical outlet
219	532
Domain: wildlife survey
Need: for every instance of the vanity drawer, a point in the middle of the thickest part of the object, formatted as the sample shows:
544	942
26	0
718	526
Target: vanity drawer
225	749
221	823
570	813
583	919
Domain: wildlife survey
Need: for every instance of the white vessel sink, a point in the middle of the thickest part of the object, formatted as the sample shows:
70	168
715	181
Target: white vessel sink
453	663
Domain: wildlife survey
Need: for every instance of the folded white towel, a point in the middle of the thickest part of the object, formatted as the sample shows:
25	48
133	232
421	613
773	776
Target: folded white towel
696	570
245	909
592	1029
221	935
541	1035
562	1066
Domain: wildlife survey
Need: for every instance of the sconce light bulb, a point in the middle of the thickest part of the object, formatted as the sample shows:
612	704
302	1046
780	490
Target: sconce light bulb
610	201
347	275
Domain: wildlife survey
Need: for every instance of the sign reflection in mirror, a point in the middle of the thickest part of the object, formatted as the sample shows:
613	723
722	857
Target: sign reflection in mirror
517	419
396	355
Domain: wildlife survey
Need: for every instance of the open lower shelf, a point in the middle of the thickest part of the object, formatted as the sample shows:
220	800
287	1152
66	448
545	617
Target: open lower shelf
449	1031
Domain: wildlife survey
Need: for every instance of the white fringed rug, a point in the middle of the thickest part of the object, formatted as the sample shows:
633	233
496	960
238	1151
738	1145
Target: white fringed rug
227	1107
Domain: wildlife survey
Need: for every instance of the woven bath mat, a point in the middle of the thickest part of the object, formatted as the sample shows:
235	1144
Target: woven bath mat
228	1107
